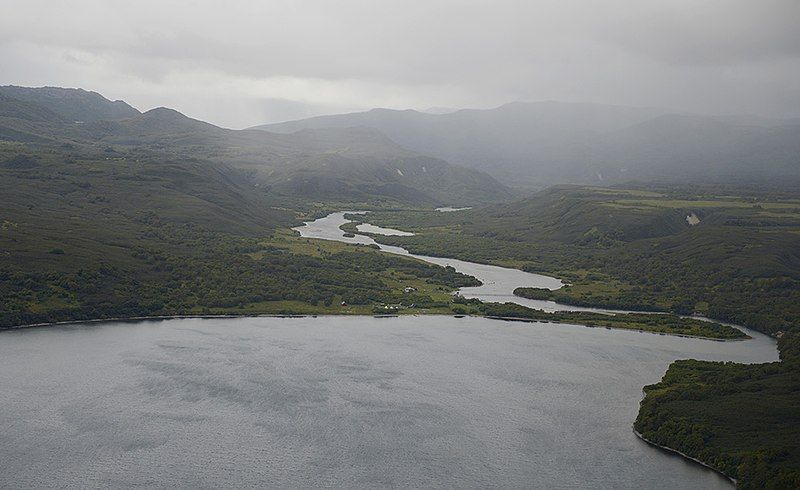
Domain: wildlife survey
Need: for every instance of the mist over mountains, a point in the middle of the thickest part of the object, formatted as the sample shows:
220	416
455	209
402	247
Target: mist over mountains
427	158
71	105
337	164
544	143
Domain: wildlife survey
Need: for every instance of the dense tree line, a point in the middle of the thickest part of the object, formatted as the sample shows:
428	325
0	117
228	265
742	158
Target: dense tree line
742	419
187	269
666	323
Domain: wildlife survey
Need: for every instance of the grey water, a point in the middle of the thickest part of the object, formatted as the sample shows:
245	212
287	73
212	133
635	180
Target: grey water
410	401
368	228
426	401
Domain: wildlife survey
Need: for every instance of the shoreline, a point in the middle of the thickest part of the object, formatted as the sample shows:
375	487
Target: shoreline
315	315
122	319
685	456
375	237
683	335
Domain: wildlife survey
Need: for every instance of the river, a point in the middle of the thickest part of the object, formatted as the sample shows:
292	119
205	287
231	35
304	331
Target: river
410	401
498	285
498	282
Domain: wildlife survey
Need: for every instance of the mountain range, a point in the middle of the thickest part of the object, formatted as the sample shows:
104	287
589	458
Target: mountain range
460	157
327	164
545	143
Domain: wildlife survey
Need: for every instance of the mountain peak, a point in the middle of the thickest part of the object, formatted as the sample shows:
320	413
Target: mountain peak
72	104
386	110
166	119
164	113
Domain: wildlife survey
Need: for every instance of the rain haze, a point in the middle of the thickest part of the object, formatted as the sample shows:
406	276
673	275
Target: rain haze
260	62
400	244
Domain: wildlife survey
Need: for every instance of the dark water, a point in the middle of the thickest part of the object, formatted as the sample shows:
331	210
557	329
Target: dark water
336	401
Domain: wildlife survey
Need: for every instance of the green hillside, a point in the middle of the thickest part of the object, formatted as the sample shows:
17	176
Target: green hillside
348	165
87	236
160	214
635	248
71	104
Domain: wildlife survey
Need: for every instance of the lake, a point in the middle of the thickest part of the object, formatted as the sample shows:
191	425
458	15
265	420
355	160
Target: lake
337	401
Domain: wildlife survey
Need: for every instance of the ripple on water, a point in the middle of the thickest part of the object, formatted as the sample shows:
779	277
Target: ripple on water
338	401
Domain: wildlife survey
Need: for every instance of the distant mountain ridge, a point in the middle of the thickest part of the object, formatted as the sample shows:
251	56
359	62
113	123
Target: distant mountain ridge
544	143
327	164
75	105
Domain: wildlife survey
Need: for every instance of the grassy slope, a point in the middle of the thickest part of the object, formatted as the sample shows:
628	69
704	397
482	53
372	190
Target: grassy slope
664	323
130	214
436	301
93	234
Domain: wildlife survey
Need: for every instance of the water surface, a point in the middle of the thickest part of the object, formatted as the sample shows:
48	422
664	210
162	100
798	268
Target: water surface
379	230
412	401
339	402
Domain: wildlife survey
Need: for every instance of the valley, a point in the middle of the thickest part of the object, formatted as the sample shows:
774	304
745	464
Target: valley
435	244
539	144
113	213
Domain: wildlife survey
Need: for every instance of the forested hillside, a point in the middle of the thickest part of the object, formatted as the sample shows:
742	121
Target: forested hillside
741	419
126	214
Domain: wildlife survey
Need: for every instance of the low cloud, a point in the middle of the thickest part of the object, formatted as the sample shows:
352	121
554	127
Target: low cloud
243	63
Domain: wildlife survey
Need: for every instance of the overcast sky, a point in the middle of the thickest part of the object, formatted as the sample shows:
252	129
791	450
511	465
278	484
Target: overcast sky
240	63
